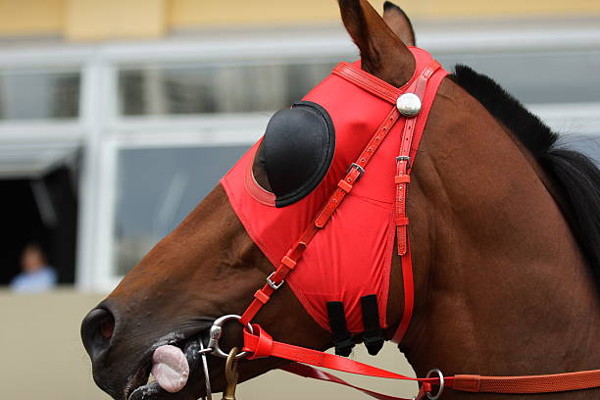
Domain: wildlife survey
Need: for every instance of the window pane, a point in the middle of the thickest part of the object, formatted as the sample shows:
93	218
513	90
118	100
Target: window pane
39	94
558	77
228	88
157	188
215	88
586	144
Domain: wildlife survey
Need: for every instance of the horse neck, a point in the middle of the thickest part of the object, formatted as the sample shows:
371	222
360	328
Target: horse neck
501	286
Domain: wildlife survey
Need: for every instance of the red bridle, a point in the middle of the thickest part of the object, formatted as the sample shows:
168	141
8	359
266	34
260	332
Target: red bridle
424	85
258	344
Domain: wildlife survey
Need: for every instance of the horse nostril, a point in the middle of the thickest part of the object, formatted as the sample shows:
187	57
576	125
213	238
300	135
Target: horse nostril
97	329
107	328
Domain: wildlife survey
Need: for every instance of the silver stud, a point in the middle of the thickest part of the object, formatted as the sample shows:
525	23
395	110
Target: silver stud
409	104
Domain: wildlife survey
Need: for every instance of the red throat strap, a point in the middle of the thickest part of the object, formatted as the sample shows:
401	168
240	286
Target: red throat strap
425	87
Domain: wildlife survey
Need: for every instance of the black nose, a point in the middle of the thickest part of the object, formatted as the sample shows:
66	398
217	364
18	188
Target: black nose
97	330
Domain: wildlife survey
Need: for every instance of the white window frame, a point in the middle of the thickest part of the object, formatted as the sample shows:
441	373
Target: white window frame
102	132
43	133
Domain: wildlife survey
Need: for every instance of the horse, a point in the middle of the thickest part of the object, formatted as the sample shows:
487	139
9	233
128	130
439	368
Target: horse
504	233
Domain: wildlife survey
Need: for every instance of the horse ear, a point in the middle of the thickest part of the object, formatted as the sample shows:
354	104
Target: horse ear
382	52
399	23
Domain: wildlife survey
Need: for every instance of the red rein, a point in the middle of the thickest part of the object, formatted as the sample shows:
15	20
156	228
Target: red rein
261	345
424	84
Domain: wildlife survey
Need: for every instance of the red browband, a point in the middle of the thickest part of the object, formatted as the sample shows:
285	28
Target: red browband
424	84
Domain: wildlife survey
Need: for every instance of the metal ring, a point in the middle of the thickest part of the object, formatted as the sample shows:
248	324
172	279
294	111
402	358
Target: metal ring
441	378
216	331
203	352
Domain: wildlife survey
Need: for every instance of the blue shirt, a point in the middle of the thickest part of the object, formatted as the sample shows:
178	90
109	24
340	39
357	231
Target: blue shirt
34	282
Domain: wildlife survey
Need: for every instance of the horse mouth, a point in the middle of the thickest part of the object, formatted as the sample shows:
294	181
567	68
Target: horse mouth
142	386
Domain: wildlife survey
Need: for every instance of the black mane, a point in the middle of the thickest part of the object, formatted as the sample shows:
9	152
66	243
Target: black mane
574	175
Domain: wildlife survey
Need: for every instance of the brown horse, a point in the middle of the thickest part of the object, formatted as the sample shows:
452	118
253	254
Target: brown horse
505	232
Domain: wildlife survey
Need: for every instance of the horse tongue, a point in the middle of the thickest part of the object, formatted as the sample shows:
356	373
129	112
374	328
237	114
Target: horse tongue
170	368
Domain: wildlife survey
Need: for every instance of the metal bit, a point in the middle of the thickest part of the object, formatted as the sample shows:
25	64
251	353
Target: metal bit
203	352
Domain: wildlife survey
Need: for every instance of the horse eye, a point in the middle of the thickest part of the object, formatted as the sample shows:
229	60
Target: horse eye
296	151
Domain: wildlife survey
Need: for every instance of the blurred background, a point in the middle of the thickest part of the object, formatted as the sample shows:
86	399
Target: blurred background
118	116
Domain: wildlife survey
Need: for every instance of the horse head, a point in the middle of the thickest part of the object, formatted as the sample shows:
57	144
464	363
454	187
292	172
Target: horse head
481	205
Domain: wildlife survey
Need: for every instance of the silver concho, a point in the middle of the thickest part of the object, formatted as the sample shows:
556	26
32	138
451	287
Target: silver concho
409	104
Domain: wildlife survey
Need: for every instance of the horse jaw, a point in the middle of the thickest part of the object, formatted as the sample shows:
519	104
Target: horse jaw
206	268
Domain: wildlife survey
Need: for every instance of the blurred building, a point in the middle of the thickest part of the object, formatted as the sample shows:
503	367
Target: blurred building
118	116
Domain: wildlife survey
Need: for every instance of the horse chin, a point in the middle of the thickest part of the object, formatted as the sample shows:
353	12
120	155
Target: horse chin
192	391
141	387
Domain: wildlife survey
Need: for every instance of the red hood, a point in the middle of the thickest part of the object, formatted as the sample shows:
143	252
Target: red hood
351	256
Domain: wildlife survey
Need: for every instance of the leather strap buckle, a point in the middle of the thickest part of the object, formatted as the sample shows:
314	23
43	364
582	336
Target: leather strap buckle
274	285
360	169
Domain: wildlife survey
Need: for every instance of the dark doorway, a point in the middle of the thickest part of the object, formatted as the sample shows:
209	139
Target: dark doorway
42	210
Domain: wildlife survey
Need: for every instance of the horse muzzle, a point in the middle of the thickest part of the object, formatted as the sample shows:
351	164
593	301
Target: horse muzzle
122	363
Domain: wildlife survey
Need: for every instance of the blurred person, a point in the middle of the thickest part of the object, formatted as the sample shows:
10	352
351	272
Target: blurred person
36	275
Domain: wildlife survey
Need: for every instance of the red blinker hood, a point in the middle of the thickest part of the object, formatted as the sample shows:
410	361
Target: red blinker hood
350	257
